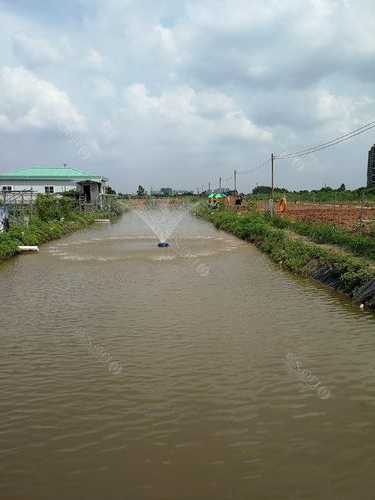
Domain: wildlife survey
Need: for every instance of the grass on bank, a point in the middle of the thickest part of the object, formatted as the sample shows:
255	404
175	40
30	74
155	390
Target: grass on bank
54	218
358	244
298	256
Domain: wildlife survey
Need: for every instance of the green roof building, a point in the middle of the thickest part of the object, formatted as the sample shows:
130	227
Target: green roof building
49	180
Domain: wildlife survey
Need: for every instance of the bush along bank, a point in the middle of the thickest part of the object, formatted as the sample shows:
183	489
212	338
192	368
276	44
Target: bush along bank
358	244
348	275
54	218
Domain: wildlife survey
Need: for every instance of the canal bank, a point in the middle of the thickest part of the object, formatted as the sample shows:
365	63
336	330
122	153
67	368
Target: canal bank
349	275
51	219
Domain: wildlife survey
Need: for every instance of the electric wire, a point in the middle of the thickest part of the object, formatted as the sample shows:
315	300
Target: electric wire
250	171
325	145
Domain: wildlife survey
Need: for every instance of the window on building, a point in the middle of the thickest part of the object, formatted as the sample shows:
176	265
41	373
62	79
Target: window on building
7	188
49	189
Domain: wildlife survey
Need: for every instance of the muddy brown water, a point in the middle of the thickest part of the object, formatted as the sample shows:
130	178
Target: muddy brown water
198	372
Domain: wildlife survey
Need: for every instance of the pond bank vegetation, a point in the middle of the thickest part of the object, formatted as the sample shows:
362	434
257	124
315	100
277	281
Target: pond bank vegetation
52	218
348	274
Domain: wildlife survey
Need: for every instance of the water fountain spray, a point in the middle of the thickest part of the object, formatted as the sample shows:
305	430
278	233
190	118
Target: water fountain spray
162	219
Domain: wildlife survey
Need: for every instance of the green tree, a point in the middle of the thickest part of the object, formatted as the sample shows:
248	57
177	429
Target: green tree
141	191
262	190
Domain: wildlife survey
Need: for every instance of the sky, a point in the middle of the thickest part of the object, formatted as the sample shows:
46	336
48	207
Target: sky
180	93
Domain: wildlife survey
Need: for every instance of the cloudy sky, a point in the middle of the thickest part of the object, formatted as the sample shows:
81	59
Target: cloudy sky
179	92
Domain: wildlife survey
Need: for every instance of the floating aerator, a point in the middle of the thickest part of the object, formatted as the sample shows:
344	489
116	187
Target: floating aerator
163	244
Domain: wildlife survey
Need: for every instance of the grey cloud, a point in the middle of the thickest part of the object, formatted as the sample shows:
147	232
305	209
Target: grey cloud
218	78
35	52
51	11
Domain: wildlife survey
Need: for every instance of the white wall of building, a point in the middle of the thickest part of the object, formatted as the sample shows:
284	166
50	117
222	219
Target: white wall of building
39	186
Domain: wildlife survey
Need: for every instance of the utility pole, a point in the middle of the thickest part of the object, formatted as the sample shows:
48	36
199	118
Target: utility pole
273	175
361	213
219	184
235	181
272	184
209	187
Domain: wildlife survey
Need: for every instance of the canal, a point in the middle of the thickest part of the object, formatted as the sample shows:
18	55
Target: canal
201	372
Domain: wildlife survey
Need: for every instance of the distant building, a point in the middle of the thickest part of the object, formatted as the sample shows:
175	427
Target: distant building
371	168
48	180
166	191
222	190
184	192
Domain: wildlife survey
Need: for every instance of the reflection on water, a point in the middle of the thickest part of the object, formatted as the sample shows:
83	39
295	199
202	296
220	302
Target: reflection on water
195	372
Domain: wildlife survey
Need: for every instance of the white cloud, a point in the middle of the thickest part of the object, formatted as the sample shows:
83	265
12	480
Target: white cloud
104	88
29	102
167	40
212	115
94	59
32	51
257	71
235	125
228	16
138	100
343	112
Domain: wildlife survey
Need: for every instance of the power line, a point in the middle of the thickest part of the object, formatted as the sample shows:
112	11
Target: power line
306	151
244	172
250	171
332	142
325	145
227	179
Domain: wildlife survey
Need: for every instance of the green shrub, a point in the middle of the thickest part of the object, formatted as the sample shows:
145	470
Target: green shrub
39	231
8	246
298	256
361	245
50	207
